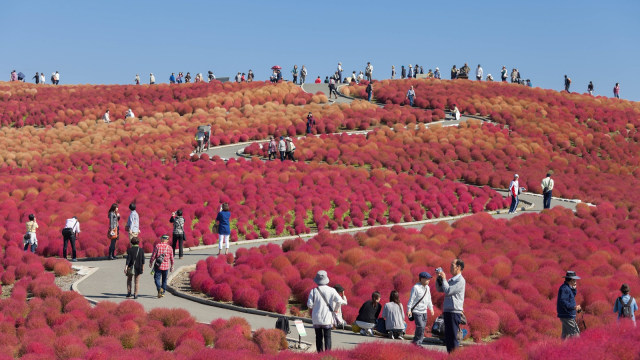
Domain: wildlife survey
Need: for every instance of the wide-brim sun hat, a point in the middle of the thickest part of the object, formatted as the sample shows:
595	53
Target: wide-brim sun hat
321	278
572	275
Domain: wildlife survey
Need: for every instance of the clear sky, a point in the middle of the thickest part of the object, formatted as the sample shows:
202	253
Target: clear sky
108	42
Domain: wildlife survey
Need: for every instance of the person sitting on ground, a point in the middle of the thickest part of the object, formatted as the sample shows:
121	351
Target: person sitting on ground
489	77
369	312
319	81
430	74
129	114
393	314
625	306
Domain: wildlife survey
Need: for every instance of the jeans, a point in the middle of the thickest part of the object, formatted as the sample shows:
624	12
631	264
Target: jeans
290	156
295	79
451	327
370	95
302	78
33	247
514	204
178	239
323	334
282	155
411	100
69	237
161	274
421	323
272	154
547	199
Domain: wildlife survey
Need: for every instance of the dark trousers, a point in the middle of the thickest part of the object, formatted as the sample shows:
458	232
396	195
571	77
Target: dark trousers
451	327
112	248
290	156
282	155
33	247
295	79
272	154
514	204
178	239
323	334
157	276
547	199
69	237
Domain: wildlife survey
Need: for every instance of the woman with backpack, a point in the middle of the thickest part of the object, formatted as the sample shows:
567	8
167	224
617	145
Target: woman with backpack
625	305
114	230
178	232
134	266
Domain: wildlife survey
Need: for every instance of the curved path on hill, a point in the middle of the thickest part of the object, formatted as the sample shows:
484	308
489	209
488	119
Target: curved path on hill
106	280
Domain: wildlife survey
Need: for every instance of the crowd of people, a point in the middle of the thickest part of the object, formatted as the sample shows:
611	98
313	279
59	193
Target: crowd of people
38	78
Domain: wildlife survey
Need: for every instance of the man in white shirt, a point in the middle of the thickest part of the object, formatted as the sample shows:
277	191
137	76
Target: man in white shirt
282	147
547	188
152	79
479	73
419	302
339	72
133	222
70	234
106	117
514	191
57	77
369	71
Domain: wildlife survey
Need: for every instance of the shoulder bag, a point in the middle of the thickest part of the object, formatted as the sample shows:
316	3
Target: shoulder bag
334	317
416	304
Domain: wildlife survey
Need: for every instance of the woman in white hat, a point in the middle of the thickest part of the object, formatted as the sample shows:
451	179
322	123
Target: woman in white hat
322	314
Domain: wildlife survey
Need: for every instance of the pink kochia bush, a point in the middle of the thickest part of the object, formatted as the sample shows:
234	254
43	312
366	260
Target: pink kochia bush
501	294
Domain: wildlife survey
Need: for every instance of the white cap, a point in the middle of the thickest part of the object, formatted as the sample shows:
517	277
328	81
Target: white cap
517	175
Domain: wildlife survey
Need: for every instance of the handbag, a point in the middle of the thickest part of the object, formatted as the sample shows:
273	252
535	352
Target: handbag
113	234
334	317
416	304
130	269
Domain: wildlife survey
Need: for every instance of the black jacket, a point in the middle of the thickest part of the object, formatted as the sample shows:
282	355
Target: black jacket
368	313
137	263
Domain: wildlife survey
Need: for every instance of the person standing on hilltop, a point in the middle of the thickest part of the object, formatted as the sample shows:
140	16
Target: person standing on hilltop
37	78
339	72
436	73
616	91
503	73
590	88
137	79
403	72
454	73
294	73
479	73
393	72
567	83
152	79
369	71
303	74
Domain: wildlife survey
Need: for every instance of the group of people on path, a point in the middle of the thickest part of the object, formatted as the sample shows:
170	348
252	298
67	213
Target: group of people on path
284	148
325	304
107	116
413	72
38	78
515	190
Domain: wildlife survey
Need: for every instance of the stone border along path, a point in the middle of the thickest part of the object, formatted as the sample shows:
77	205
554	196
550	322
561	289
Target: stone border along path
105	280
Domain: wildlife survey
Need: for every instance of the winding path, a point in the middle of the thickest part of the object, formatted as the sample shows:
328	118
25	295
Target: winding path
106	280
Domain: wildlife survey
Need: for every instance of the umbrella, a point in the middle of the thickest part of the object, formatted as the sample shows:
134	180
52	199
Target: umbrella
276	67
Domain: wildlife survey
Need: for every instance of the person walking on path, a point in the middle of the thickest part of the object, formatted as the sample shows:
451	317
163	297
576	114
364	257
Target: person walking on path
272	148
37	78
303	74
152	79
456	112
133	222
282	148
453	307
311	122
42	78
294	73
547	189
291	148
393	315
503	74
137	79
339	72
32	241
369	71
479	73
70	234
332	87
411	94
57	78
224	227
369	92
625	306
566	305
114	230
403	72
368	314
616	91
567	83
134	266
590	88
162	262
321	312
393	72
178	232
419	303
514	191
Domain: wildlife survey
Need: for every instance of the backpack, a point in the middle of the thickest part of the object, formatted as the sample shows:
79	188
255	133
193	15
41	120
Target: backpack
283	324
437	328
625	311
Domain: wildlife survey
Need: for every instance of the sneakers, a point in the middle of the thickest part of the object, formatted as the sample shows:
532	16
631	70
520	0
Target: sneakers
159	294
363	332
400	337
391	335
370	332
74	260
128	294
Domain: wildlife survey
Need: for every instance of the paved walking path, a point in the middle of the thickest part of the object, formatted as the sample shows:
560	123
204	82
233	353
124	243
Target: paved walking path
108	282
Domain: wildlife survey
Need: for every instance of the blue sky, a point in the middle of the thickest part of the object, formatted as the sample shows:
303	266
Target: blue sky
107	42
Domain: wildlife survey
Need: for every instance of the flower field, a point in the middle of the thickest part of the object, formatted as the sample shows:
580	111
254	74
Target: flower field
58	159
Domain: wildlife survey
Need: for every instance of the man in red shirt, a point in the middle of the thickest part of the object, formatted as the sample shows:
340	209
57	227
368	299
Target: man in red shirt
162	262
318	80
